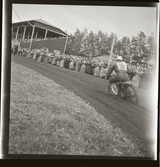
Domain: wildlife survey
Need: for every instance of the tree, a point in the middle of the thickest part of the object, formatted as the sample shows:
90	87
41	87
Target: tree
78	41
102	48
75	44
151	45
88	44
92	44
125	44
92	41
142	50
70	45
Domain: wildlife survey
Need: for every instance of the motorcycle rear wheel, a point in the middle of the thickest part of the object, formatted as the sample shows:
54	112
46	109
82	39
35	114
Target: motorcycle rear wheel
132	93
122	94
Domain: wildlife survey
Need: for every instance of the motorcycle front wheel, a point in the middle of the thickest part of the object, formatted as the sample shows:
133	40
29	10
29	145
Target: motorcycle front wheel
114	88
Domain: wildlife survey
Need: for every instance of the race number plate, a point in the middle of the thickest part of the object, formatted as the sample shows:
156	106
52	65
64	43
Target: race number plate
122	66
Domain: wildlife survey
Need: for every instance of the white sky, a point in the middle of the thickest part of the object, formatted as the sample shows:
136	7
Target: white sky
124	21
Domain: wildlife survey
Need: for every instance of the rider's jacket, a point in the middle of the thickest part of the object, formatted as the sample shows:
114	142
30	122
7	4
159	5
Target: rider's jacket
120	68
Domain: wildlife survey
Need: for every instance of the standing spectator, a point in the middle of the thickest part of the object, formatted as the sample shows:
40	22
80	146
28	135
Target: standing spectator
71	64
62	62
78	64
15	49
92	66
67	62
97	71
54	60
19	51
87	65
102	74
83	68
129	70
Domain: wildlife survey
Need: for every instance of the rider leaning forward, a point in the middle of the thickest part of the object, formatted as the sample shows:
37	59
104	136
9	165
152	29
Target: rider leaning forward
120	68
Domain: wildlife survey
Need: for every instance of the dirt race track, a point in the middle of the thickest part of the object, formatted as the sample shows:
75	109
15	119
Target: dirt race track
132	119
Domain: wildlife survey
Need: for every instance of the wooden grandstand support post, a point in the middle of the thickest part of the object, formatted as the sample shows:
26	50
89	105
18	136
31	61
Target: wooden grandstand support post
24	33
32	37
17	32
45	34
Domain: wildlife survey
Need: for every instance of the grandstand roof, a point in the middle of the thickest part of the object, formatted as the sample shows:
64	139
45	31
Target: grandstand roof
40	23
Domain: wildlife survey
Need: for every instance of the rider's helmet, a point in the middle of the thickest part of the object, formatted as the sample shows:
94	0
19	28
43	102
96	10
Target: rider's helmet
119	58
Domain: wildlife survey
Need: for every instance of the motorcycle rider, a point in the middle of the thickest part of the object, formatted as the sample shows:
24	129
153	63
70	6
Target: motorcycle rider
120	68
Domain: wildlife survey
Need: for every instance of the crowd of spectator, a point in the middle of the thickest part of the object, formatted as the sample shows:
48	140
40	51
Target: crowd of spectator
92	66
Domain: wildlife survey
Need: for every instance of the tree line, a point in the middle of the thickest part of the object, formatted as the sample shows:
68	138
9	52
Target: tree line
90	44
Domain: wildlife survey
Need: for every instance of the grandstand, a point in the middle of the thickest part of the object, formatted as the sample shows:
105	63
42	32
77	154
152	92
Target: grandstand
35	34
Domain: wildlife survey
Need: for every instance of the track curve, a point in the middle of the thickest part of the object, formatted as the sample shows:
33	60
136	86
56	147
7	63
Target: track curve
132	119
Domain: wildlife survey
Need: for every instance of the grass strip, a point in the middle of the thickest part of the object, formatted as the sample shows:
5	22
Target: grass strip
45	118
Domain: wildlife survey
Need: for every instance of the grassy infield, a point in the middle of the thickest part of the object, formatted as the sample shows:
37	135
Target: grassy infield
48	119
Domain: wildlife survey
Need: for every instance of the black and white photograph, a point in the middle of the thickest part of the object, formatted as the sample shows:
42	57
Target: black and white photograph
84	80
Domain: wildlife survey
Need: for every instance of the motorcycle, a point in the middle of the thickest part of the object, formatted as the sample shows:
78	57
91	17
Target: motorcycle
125	90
